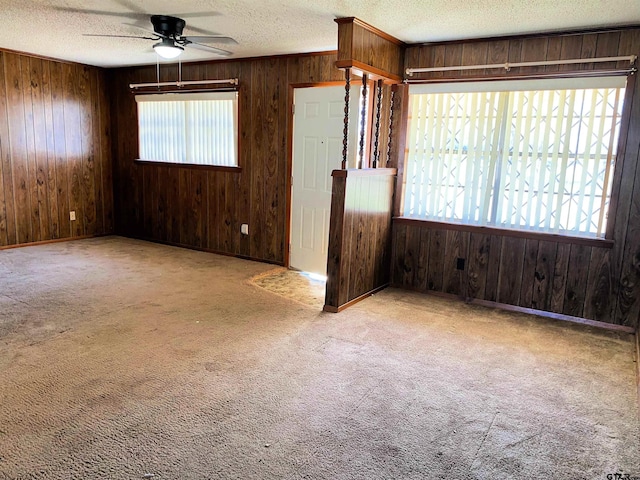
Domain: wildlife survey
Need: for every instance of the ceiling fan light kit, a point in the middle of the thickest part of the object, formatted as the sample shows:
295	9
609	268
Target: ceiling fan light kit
167	31
168	49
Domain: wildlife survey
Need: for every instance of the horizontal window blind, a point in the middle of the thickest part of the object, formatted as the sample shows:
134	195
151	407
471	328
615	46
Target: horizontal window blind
533	155
190	128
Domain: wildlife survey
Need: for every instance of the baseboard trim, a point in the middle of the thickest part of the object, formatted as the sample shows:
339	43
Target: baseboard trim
332	309
203	249
554	316
531	311
53	240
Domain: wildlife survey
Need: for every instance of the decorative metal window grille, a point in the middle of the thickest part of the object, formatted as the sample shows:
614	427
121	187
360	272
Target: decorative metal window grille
534	155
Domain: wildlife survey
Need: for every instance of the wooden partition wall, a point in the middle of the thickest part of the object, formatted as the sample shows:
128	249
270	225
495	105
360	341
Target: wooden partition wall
359	235
362	199
598	281
54	150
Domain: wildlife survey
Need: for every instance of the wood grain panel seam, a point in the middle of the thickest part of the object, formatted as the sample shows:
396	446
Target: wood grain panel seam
9	153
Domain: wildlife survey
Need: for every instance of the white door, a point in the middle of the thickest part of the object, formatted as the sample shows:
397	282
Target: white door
317	150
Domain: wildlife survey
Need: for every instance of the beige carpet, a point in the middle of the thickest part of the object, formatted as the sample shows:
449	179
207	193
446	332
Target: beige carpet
121	359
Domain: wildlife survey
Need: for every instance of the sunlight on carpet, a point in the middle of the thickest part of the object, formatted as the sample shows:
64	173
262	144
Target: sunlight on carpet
294	285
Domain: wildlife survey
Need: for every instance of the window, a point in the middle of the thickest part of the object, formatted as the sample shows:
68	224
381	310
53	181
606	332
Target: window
534	155
189	128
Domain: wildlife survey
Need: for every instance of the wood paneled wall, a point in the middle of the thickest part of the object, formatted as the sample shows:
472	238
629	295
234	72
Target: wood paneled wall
564	278
585	281
359	235
54	150
204	208
522	49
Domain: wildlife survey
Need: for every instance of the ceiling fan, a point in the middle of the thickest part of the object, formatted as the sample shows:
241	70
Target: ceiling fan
168	30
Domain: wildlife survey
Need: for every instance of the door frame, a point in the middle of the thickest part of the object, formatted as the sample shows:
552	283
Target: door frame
289	182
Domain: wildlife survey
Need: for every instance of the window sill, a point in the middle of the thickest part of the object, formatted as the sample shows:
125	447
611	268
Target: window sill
214	168
505	232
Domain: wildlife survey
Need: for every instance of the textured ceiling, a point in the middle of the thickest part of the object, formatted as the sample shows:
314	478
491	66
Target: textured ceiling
268	27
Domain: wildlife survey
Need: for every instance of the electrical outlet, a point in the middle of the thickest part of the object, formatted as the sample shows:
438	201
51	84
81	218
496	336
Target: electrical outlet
244	229
72	215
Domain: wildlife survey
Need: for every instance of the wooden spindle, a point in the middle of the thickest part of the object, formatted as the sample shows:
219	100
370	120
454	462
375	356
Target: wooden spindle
393	93
363	119
345	130
376	140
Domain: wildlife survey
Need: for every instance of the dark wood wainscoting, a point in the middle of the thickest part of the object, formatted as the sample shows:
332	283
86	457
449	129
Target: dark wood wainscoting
359	235
557	277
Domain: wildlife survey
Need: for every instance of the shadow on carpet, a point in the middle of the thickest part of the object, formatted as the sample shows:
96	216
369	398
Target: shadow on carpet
294	285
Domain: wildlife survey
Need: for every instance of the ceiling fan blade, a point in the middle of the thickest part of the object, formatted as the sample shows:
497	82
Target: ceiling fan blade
202	31
144	29
207	48
131	6
197	14
119	36
212	39
103	12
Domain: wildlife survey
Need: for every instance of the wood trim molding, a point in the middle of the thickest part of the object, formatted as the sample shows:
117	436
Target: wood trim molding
530	311
332	309
358	68
505	232
364	172
399	138
559	33
56	240
203	249
192	166
371	28
621	151
44	57
333	83
554	316
289	176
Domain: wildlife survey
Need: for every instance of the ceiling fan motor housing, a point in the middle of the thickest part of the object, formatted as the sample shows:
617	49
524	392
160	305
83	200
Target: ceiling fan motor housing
167	26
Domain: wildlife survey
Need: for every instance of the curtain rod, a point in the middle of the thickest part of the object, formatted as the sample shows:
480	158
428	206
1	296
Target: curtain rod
182	83
508	66
525	76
